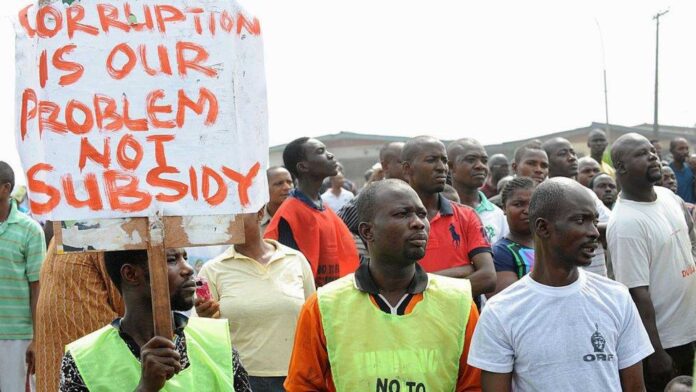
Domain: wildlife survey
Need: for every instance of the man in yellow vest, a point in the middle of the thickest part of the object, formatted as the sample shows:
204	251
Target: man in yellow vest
389	326
126	356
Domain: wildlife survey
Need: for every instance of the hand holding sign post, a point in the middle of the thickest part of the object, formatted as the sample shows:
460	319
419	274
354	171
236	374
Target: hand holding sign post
128	110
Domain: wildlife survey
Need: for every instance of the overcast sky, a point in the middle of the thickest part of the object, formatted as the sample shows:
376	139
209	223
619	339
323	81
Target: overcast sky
493	70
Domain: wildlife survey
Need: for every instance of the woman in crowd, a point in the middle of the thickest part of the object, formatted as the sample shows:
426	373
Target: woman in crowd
513	254
259	286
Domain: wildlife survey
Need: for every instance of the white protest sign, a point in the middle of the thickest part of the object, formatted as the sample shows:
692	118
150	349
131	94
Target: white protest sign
126	109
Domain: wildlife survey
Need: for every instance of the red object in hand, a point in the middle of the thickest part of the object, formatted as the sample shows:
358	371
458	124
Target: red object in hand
202	289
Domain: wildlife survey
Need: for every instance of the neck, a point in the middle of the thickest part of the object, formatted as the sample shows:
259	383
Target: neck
336	191
310	187
597	158
4	210
391	279
254	247
137	321
678	165
638	192
272	208
467	195
549	271
430	202
525	239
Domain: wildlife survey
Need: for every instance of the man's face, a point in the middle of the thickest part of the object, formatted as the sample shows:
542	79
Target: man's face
587	169
597	143
669	180
658	148
680	150
562	160
605	188
469	166
574	233
517	211
428	171
533	164
400	227
318	161
181	284
641	163
279	185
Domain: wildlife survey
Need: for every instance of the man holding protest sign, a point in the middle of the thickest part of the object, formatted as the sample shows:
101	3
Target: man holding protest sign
304	224
126	355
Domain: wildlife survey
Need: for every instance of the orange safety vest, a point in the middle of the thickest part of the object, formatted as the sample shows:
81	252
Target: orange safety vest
322	237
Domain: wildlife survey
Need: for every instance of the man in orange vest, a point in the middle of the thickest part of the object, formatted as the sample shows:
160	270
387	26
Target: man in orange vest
389	326
303	223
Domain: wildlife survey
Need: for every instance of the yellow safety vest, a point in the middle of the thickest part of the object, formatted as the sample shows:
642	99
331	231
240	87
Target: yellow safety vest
106	363
370	350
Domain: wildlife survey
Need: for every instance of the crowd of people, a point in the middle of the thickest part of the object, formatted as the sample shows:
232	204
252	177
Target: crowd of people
448	271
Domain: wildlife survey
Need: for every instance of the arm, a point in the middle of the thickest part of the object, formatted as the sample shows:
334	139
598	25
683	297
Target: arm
309	368
632	378
659	363
496	382
469	379
483	280
503	279
34	298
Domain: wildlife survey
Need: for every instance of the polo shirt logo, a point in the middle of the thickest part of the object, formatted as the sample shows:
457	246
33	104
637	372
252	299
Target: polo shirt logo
456	238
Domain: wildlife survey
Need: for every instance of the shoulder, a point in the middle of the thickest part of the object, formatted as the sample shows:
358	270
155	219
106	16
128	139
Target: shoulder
288	251
463	212
28	224
515	294
501	245
605	285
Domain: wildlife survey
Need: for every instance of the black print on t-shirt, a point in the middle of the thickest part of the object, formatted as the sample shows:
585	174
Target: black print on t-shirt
598	344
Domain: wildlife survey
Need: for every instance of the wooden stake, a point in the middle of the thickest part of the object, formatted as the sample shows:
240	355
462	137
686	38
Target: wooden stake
159	281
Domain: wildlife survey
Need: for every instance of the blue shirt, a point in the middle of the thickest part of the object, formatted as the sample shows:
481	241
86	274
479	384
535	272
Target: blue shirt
511	256
685	182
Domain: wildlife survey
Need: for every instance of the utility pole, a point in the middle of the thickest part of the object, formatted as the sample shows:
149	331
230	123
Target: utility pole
656	127
607	127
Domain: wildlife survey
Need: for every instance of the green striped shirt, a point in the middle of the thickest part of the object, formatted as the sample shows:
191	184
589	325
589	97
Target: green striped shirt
22	251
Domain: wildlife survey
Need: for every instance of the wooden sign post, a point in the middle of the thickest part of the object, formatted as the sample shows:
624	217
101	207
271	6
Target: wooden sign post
159	281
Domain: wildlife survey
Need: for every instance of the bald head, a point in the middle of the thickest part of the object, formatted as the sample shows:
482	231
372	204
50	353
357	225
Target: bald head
597	142
549	199
414	146
370	198
587	169
390	158
460	146
679	147
636	162
624	144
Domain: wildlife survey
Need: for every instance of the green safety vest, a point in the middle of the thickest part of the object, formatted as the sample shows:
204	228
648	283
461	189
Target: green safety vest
106	363
370	350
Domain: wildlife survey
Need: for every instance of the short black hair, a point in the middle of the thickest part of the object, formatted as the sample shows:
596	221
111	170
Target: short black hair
114	261
367	198
534	145
7	175
515	184
387	147
548	200
293	154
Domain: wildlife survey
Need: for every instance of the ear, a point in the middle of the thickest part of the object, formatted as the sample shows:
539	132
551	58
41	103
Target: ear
302	167
619	167
542	228
132	275
261	213
406	169
365	231
513	165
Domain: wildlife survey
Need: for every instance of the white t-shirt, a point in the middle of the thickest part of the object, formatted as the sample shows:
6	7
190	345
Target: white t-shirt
571	338
336	202
599	263
650	246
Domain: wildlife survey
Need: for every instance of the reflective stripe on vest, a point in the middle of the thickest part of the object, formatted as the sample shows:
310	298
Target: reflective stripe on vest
106	363
370	350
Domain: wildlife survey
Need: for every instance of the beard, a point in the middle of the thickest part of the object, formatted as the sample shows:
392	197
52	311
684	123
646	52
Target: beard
180	301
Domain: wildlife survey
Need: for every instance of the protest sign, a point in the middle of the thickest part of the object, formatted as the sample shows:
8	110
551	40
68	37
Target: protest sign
128	109
142	126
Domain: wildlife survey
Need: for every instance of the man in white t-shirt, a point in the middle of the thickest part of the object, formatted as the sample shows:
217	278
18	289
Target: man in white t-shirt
560	328
563	162
467	160
336	196
648	236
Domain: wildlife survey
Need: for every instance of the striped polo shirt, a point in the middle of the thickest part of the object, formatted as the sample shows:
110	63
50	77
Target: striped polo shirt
22	250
